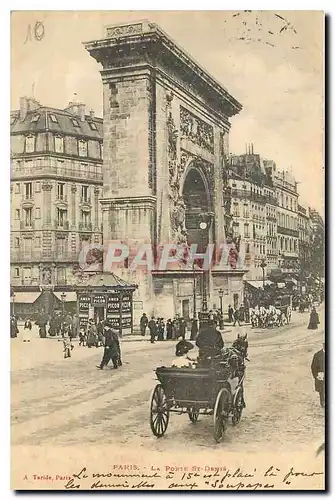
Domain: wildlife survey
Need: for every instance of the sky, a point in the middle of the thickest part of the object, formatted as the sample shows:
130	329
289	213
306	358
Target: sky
271	61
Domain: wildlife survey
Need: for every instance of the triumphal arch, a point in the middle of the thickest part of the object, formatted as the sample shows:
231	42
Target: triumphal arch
166	129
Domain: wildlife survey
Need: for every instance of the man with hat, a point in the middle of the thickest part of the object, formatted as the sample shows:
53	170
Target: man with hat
112	347
318	372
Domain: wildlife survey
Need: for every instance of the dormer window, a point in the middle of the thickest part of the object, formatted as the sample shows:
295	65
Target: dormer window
92	126
75	123
82	148
30	144
35	119
53	118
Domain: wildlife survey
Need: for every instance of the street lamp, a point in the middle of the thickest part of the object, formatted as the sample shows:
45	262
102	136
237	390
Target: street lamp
194	293
263	266
220	296
204	225
221	308
63	297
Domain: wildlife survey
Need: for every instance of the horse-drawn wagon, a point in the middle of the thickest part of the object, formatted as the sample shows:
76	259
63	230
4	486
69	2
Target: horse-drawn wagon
216	390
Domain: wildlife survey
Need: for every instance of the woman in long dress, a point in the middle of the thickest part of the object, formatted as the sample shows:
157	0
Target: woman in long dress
313	320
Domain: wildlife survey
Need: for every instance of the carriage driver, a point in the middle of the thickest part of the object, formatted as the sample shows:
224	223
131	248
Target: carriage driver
209	341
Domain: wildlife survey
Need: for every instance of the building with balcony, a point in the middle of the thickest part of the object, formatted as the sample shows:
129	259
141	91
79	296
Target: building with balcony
253	208
287	221
56	183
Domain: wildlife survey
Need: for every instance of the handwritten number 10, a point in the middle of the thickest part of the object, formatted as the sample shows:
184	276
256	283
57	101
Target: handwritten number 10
39	32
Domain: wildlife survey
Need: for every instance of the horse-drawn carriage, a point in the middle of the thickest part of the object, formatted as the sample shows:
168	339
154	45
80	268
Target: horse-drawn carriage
216	390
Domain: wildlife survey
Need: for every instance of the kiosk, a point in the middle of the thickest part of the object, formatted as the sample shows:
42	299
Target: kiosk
106	296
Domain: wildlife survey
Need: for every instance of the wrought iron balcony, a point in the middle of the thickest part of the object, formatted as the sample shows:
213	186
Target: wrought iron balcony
85	226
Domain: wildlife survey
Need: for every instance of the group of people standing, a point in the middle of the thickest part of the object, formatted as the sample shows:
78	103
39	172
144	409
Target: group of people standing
238	315
159	330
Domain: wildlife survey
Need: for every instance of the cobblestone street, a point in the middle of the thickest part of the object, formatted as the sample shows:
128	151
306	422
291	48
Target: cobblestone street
58	401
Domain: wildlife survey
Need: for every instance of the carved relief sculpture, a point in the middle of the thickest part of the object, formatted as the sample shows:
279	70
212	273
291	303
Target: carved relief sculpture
196	130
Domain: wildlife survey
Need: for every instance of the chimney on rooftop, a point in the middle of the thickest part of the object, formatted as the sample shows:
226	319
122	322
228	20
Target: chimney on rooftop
27	104
76	109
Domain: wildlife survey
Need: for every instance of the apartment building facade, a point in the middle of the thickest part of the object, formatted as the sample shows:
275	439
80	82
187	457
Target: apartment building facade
56	184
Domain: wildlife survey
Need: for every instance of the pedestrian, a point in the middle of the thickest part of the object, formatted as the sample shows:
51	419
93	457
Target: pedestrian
318	372
100	333
75	326
92	336
230	314
67	345
194	329
169	329
112	347
152	325
313	320
161	329
182	328
27	331
82	336
143	324
237	317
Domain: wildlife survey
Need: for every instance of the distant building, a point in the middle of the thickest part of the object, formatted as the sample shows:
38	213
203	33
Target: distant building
253	206
287	221
56	183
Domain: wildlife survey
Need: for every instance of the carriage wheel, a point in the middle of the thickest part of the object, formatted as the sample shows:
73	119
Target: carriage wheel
220	415
159	412
237	406
193	415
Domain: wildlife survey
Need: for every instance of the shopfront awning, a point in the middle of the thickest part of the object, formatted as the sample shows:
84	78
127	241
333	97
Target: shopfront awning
69	296
25	297
258	284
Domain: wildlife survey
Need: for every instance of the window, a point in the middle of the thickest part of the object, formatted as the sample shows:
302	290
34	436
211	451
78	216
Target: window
17	188
92	126
53	118
38	242
75	123
59	144
35	119
60	190
30	144
82	148
16	242
37	213
27	217
17	272
246	231
61	217
291	203
84	193
27	274
28	190
37	187
17	214
60	246
61	275
85	218
101	150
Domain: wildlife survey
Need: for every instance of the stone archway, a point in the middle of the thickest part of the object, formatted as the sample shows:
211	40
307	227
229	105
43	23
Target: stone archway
196	198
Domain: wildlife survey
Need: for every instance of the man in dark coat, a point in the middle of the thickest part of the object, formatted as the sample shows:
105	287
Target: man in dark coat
182	328
152	325
209	341
194	329
230	314
112	347
143	323
318	372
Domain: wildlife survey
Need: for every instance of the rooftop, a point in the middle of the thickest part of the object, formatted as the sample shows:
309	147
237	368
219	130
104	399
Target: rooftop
33	117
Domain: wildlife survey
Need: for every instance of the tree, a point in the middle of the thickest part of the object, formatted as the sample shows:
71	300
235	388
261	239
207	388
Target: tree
317	250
